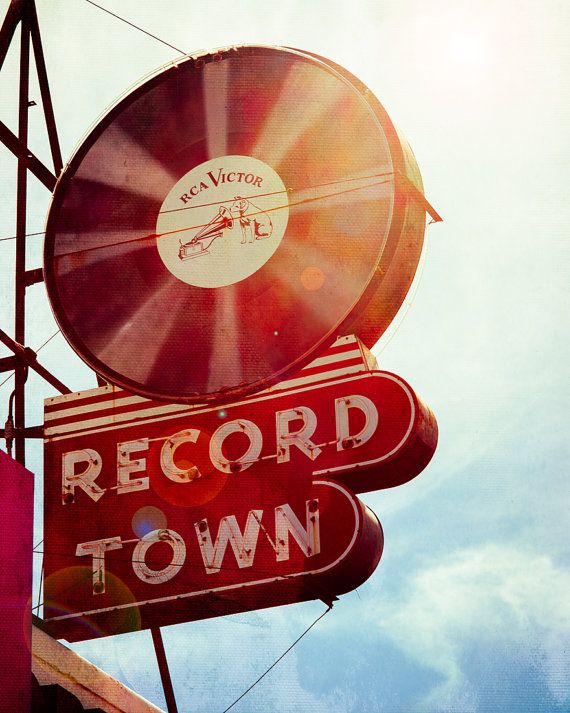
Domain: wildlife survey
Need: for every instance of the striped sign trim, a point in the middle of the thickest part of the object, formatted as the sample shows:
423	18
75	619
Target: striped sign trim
82	412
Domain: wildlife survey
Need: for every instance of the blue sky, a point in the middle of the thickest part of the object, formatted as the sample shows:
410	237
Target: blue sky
468	610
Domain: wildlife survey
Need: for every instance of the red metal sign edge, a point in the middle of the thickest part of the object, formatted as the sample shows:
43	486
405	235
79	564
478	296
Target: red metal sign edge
321	583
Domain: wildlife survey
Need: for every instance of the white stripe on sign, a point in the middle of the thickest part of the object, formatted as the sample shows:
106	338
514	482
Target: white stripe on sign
72	414
58	433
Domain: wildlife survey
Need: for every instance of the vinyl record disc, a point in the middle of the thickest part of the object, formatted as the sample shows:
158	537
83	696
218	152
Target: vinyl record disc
224	223
402	252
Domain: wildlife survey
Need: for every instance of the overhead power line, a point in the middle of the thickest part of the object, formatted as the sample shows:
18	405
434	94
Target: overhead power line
291	204
131	24
27	235
278	660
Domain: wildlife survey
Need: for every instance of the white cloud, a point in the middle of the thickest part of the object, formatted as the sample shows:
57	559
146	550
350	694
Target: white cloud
494	594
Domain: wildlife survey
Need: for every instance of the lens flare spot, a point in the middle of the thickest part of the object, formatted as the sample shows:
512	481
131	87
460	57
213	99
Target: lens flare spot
203	483
312	278
69	590
147	519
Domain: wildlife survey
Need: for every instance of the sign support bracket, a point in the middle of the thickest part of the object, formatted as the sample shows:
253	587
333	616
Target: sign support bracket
418	195
163	668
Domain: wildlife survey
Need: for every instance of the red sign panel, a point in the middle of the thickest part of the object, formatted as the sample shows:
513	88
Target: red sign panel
164	513
17	505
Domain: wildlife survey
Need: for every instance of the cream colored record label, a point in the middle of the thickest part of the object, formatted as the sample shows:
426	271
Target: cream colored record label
222	221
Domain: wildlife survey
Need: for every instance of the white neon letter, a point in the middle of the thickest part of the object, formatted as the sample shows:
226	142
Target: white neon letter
309	539
242	545
158	576
86	479
364	404
300	438
217	457
97	548
126	466
169	468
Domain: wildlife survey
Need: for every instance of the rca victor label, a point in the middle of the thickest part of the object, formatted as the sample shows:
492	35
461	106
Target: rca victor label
222	221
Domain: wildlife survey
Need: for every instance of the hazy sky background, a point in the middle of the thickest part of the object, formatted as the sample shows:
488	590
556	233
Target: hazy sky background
469	608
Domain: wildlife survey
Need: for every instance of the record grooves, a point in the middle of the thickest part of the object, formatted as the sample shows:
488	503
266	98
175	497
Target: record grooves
226	221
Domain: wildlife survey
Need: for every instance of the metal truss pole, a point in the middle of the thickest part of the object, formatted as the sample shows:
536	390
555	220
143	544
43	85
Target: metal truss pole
23	12
163	669
21	207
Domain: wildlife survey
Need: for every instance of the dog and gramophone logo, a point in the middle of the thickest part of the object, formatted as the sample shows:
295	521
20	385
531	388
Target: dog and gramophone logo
222	221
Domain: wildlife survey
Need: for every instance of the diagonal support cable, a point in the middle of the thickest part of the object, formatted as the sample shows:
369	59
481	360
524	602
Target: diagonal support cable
28	356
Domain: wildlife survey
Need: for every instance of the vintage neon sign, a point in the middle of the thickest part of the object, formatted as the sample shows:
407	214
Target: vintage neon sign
256	500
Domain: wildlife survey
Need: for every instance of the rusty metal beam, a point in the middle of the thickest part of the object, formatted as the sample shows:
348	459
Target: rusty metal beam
23	13
8	363
416	193
28	432
44	89
164	672
33	276
21	217
13	17
28	356
19	150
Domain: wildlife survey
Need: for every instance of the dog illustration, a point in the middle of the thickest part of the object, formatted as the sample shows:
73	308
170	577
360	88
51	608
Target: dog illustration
255	224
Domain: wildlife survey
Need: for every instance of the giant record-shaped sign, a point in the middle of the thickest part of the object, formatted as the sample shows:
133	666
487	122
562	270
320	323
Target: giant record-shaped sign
227	220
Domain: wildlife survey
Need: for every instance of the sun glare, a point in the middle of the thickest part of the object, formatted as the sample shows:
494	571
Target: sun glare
467	48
